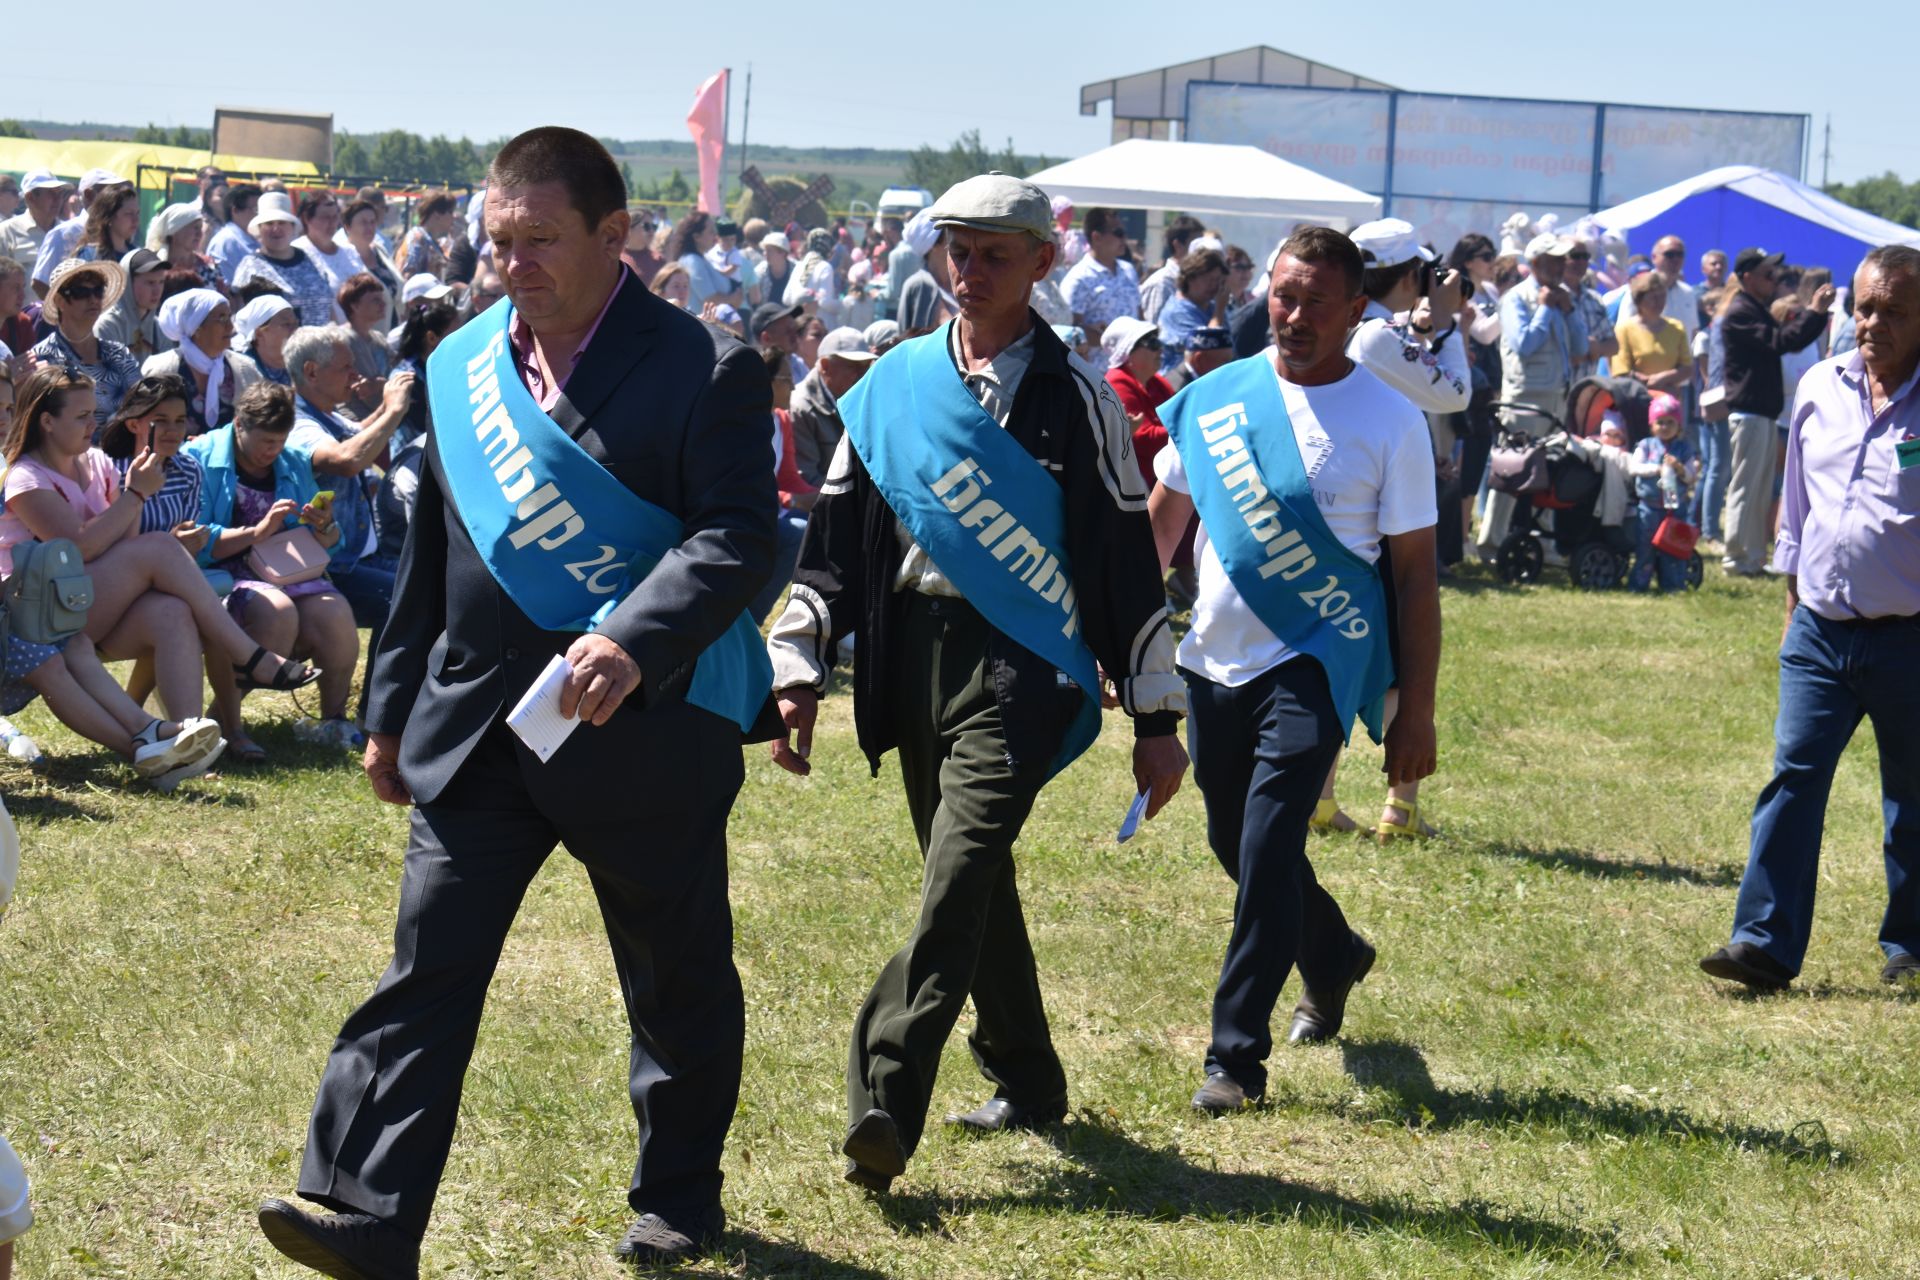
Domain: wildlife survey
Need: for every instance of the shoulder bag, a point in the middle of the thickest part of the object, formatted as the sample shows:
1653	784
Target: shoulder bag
289	557
49	592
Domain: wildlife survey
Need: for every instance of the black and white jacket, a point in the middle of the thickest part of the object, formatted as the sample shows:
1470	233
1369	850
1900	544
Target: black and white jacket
850	575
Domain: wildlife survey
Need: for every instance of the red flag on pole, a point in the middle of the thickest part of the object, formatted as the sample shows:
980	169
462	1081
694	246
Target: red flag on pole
707	122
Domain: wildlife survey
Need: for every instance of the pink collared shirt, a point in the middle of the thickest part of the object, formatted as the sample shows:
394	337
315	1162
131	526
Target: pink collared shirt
520	335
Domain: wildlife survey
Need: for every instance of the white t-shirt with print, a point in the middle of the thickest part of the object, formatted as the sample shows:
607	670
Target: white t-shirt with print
1371	469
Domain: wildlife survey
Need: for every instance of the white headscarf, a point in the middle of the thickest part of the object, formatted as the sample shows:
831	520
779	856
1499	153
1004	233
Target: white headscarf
180	318
1123	333
247	321
168	223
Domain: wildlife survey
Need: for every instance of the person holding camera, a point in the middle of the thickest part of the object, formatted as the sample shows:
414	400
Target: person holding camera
1543	337
1409	337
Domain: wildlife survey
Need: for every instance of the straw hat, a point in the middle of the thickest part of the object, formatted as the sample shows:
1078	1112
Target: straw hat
110	274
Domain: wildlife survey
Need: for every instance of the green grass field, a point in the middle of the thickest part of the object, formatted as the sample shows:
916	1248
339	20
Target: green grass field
1536	1080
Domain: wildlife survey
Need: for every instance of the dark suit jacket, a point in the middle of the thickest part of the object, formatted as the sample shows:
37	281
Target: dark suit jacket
680	413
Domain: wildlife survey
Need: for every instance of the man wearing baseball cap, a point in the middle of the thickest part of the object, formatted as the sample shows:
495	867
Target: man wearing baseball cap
134	319
815	409
1756	393
22	234
1207	350
1543	339
776	325
983	530
63	238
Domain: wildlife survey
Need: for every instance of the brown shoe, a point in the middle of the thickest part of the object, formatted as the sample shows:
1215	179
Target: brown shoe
872	1149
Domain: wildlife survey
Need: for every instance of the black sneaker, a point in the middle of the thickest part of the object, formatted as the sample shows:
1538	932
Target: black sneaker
346	1246
662	1241
1745	963
1902	968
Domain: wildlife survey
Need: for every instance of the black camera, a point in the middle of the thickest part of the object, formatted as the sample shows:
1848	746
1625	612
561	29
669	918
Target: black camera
1428	272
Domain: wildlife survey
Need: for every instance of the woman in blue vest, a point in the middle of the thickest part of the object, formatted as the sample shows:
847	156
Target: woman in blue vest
254	490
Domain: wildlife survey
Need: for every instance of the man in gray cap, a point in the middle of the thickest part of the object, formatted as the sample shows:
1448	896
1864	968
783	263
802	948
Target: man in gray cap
981	613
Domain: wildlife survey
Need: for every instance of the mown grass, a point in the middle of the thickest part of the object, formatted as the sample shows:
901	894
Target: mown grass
1535	1080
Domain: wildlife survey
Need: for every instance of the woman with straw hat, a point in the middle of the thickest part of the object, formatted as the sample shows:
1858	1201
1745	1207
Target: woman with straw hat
78	294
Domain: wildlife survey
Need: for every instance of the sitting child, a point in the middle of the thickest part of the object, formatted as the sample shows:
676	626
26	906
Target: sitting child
1664	468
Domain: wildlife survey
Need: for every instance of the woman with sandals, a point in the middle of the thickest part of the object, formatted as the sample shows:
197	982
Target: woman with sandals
260	495
149	596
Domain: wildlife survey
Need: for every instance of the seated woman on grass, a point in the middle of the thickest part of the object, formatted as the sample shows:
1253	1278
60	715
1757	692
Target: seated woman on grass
255	488
148	596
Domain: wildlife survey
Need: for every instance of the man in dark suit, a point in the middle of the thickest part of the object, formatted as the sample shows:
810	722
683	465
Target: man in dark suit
679	413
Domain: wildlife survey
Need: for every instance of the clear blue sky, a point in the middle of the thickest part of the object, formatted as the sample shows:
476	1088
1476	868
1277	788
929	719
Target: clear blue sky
1006	67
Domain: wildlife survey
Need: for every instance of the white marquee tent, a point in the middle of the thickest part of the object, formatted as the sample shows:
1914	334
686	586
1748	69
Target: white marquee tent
1209	180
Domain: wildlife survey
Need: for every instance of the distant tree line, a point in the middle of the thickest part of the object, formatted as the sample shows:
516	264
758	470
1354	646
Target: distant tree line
1885	196
965	156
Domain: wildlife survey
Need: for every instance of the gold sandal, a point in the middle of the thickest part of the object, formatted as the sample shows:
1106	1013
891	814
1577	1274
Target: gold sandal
1409	827
1326	817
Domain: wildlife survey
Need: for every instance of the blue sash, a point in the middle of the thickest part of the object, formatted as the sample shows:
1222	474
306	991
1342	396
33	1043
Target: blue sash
1243	464
563	537
934	454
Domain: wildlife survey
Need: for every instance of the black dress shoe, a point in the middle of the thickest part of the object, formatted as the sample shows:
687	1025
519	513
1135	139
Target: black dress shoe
657	1240
873	1152
1319	1014
997	1115
346	1246
1222	1094
1745	963
1901	968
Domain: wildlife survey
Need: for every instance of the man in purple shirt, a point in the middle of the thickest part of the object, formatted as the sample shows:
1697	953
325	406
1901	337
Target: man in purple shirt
1849	545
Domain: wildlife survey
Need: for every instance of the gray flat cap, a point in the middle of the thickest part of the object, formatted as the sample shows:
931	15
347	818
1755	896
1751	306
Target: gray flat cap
996	202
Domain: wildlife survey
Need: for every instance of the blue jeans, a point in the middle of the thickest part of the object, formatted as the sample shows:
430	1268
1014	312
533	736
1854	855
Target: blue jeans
1716	453
368	587
1832	674
1646	558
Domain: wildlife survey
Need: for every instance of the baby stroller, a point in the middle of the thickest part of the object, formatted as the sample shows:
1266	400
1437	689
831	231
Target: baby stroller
1546	475
1592	398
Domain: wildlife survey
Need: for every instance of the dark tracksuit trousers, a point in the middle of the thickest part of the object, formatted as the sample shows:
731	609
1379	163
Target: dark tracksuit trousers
968	804
1260	752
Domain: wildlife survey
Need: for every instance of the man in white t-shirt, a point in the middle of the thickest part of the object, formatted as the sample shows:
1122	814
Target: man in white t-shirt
1263	729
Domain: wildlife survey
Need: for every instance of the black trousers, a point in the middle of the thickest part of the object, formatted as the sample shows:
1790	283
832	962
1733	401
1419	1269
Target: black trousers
653	840
968	806
1260	752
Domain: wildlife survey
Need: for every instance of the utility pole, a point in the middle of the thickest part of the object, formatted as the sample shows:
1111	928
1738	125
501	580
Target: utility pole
746	118
1826	152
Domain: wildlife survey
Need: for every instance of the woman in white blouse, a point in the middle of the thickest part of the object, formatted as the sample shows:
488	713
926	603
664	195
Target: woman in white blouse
320	217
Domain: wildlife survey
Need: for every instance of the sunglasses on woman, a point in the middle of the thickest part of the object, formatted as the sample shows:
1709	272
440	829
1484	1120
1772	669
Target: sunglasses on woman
81	292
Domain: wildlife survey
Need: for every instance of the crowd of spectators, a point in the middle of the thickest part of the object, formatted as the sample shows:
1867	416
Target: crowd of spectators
181	400
272	344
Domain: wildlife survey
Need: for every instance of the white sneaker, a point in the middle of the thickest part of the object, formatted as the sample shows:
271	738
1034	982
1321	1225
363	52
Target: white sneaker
153	756
166	782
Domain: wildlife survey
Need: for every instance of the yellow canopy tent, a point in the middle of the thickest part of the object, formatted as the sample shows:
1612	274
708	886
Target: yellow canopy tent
151	165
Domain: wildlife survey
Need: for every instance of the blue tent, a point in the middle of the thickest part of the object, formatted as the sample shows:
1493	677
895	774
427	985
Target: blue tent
1741	206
